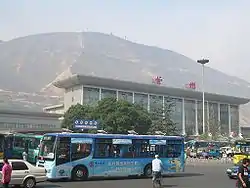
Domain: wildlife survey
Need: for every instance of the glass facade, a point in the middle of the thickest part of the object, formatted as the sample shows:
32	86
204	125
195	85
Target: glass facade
190	117
90	95
234	113
225	120
127	96
176	112
200	116
213	122
141	99
108	93
156	104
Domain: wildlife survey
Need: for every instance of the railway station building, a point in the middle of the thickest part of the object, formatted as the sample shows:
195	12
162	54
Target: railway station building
220	110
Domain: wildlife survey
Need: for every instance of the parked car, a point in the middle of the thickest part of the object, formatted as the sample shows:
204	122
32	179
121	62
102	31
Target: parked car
214	152
233	171
24	173
228	150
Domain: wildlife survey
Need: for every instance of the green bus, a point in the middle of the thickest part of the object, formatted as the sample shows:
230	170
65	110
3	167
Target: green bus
26	142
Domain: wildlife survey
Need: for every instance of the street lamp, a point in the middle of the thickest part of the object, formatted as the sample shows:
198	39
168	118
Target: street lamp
203	62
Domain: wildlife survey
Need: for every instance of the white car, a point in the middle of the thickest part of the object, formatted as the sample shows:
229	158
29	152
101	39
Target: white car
24	173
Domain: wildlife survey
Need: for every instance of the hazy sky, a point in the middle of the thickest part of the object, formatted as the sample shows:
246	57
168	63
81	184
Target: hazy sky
217	29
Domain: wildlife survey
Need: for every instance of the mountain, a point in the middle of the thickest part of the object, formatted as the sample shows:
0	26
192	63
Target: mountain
31	64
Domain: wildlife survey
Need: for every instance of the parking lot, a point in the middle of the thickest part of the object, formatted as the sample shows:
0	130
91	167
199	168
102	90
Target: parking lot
206	175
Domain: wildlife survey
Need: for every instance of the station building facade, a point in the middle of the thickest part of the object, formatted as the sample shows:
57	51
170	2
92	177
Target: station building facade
28	121
220	110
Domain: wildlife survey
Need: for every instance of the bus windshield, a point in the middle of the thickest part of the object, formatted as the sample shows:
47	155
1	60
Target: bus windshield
201	144
34	143
2	143
47	149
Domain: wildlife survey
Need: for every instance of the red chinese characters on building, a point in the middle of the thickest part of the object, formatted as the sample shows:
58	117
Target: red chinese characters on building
157	80
191	85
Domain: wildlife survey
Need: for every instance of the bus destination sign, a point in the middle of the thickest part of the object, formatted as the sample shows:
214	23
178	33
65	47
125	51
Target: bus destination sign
85	124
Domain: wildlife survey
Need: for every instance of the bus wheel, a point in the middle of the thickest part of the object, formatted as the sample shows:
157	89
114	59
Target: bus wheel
80	173
148	170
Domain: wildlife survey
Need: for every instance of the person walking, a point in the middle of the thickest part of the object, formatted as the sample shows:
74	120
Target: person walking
243	181
25	155
6	173
157	167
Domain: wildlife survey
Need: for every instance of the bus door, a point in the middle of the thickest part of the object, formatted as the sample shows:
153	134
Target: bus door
26	146
122	163
8	146
63	165
2	145
103	156
175	156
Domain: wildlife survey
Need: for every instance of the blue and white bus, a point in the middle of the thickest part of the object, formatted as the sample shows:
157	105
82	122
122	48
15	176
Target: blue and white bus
79	156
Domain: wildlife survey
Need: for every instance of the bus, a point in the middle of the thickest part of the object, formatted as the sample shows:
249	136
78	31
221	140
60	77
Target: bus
78	156
195	147
241	150
6	139
26	142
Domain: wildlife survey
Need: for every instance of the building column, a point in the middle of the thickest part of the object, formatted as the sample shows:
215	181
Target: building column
81	101
219	124
208	120
196	118
117	95
183	117
100	94
163	107
148	102
229	119
133	97
238	119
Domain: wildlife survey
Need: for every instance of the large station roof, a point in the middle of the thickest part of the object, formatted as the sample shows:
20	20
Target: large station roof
29	113
146	88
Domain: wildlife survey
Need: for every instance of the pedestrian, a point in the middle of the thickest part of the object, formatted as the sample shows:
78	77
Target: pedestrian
224	157
243	181
6	173
25	155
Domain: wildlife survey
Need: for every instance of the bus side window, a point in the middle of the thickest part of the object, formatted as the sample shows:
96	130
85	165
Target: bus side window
104	148
19	142
80	150
173	150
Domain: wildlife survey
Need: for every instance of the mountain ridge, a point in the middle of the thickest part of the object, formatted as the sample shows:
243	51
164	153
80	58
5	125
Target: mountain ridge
32	63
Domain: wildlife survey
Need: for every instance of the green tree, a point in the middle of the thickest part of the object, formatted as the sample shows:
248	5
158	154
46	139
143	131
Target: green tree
120	116
75	112
205	136
162	118
213	124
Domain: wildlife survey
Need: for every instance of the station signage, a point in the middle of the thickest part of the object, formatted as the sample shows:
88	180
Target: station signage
85	124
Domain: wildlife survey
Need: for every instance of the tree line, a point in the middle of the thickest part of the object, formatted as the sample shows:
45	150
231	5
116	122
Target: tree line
120	116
